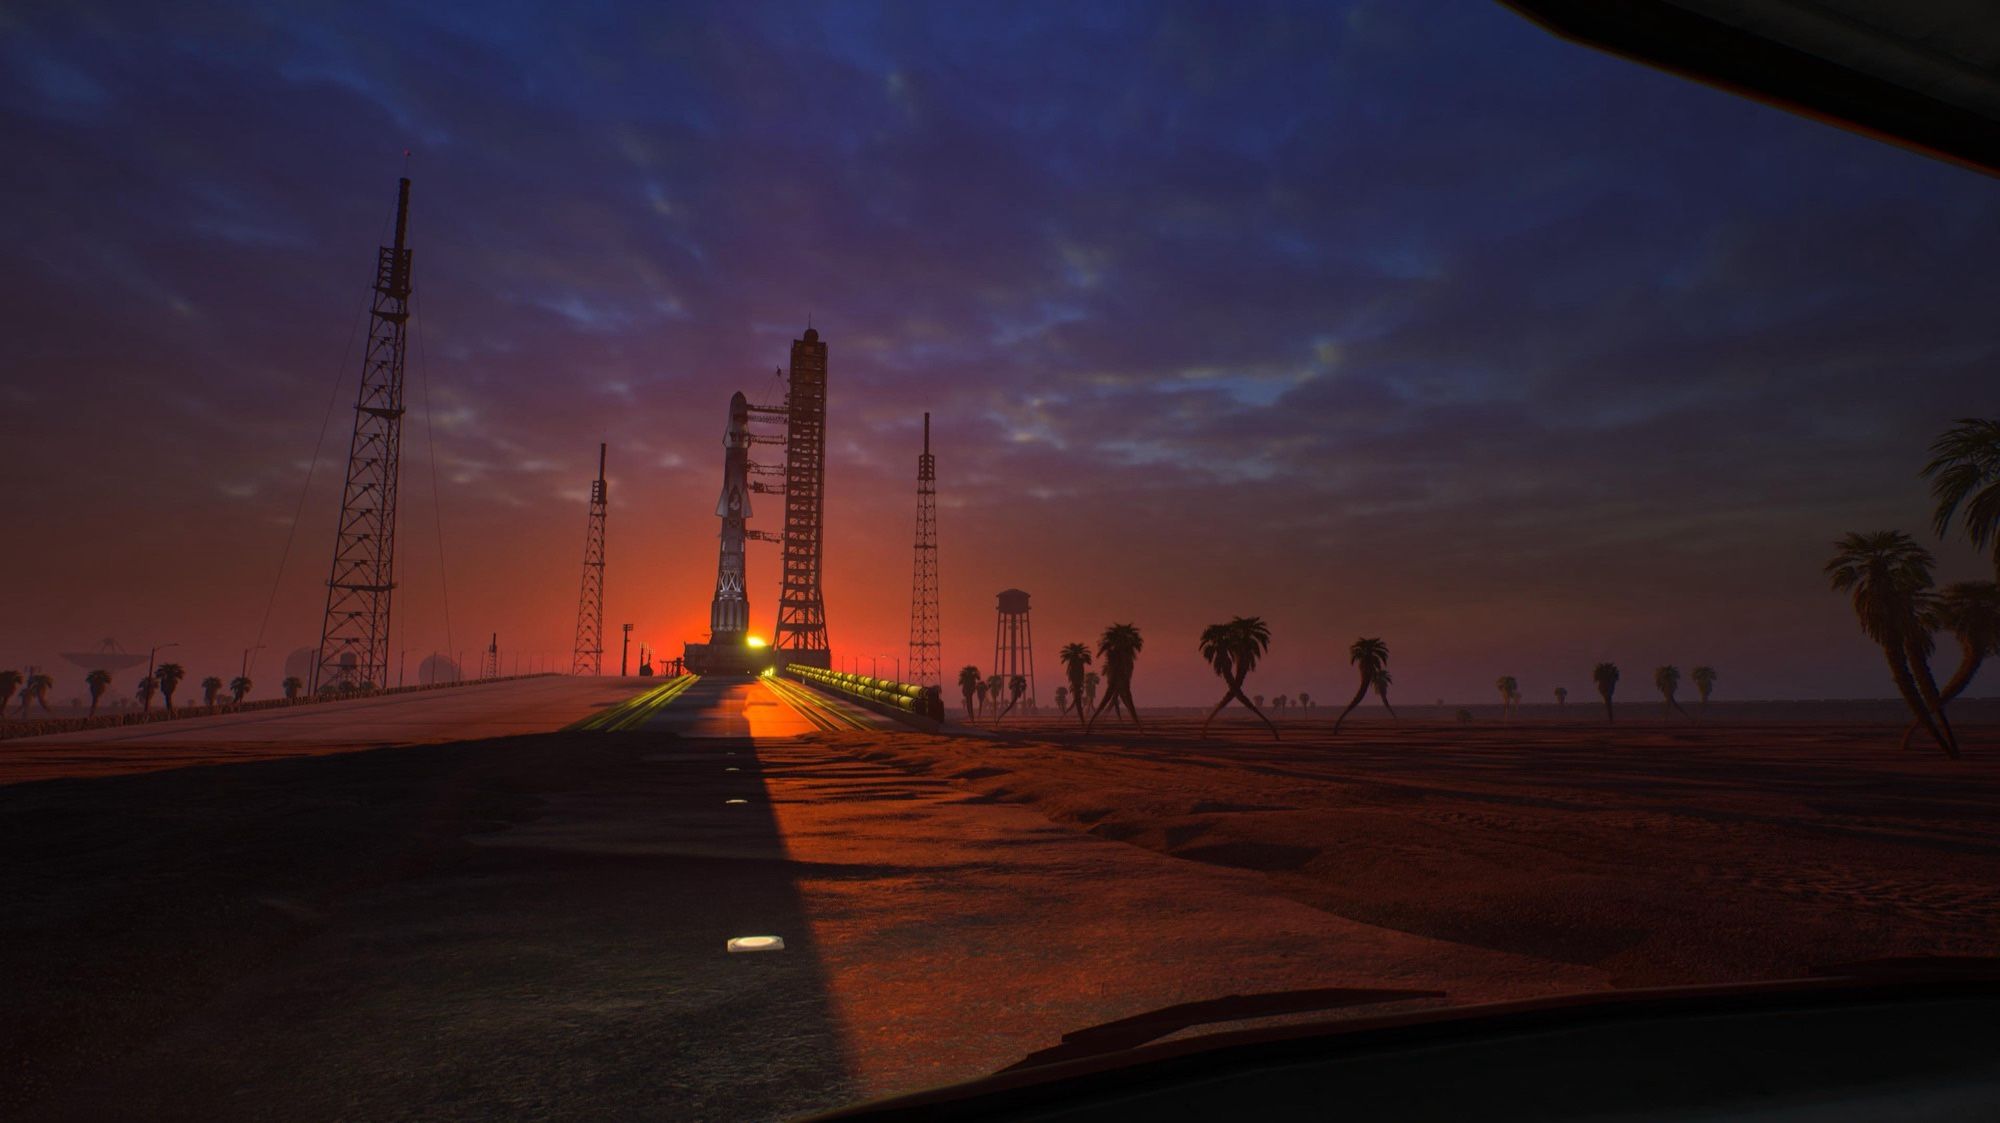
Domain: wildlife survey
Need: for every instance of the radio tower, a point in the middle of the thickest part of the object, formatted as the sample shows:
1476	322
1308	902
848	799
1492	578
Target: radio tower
801	632
354	640
589	657
925	664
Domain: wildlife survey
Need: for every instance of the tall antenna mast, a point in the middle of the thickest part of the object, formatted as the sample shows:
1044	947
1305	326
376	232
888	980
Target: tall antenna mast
354	639
589	656
926	664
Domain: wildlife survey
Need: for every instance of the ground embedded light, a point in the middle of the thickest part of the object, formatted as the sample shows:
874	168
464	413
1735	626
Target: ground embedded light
757	943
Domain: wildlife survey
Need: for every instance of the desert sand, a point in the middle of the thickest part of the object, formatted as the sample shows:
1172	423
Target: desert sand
535	924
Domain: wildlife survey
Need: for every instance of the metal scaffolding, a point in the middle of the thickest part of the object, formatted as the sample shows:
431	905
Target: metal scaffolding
926	663
801	632
354	638
588	658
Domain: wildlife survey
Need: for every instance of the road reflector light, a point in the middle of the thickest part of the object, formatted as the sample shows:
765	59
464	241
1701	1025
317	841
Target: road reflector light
757	943
735	801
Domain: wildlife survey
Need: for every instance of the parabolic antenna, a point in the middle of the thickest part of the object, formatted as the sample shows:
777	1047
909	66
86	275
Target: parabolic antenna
107	655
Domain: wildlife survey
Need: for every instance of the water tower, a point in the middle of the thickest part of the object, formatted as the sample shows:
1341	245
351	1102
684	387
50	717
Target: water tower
1014	644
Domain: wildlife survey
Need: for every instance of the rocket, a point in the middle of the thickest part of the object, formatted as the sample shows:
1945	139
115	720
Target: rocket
729	613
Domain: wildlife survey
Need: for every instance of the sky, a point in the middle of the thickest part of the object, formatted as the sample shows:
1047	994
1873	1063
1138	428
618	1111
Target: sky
1399	319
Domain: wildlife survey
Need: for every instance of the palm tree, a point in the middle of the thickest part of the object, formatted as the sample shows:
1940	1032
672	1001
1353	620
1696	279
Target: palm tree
36	690
1016	686
293	684
1509	690
210	687
971	685
1233	650
1704	683
1370	656
1562	697
1062	699
1605	675
1090	684
238	687
1118	653
1280	702
1667	680
98	681
981	689
148	687
1970	610
10	681
1076	664
169	676
1889	578
1965	472
1305	700
996	689
1382	681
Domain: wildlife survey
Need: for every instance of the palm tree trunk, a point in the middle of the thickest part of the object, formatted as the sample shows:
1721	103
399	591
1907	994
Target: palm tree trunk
1358	696
1260	714
1899	670
1969	659
1218	709
1390	708
1110	699
1131	707
1608	715
1920	668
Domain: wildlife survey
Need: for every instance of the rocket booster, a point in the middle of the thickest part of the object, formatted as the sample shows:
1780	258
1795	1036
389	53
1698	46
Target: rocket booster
729	613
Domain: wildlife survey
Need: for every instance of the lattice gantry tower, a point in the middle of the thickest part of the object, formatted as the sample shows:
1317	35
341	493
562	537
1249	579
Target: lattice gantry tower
589	655
801	632
926	662
354	638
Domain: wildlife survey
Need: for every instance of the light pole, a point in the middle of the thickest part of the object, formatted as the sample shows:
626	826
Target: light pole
244	671
157	648
624	652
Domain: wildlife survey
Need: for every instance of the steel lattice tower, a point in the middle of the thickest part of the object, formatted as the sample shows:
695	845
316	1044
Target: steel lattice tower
589	656
801	631
926	665
354	640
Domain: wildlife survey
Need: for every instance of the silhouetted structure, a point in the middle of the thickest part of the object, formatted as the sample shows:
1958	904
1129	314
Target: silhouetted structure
489	663
588	658
354	639
926	663
801	631
1014	643
728	650
107	655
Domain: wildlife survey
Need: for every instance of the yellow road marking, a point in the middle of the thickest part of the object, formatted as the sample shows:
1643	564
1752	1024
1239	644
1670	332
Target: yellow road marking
635	710
811	706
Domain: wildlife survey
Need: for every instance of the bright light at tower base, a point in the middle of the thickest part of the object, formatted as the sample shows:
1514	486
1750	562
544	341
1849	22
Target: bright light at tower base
754	641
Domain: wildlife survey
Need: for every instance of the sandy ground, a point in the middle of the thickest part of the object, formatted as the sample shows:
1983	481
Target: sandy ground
460	713
1657	853
534	925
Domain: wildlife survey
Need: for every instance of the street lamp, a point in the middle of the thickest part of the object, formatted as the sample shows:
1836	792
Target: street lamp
245	671
157	648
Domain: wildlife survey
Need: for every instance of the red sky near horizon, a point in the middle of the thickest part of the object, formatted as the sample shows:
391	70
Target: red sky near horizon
1376	319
